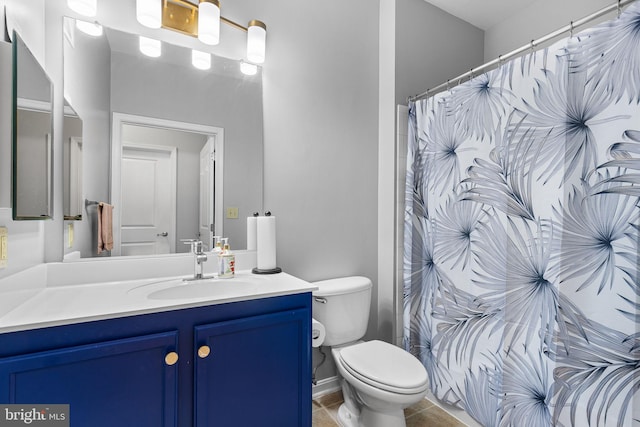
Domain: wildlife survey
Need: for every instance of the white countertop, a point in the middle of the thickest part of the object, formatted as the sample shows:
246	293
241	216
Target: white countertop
26	306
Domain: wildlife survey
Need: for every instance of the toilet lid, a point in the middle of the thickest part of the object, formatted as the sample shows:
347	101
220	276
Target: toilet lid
385	366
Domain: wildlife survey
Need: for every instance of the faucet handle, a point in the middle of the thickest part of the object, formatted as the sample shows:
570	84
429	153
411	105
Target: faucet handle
196	245
191	242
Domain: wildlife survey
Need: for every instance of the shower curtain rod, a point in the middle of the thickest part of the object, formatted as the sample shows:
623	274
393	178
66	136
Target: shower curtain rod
530	46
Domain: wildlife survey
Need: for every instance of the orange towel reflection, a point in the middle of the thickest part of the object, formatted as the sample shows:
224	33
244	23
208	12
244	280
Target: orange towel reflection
105	227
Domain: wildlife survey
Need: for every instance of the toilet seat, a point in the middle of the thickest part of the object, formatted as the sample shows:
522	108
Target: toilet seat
385	366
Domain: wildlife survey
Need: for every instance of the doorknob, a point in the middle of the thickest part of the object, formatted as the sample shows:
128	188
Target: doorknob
163	234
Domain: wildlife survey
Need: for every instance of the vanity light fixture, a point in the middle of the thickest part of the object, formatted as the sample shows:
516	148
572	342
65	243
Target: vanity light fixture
209	22
248	68
200	60
201	20
83	7
149	13
90	28
256	41
150	47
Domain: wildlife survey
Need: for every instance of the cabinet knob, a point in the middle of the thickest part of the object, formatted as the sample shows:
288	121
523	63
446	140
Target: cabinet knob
171	358
204	351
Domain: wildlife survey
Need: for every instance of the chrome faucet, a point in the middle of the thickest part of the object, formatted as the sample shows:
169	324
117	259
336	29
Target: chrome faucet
199	258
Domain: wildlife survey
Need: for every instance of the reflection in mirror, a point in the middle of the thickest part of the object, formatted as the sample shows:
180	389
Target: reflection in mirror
155	158
106	77
72	164
32	136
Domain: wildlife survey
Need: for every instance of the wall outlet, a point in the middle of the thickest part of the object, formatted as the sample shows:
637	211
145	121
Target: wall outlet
3	246
232	213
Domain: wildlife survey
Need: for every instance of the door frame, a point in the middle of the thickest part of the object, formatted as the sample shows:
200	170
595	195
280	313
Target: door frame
120	119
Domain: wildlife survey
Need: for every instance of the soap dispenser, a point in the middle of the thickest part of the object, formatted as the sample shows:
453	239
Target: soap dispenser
217	245
227	261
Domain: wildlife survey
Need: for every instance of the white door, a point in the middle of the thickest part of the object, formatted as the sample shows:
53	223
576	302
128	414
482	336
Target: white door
207	199
148	200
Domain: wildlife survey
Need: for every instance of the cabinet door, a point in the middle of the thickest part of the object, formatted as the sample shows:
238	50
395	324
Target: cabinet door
257	373
115	383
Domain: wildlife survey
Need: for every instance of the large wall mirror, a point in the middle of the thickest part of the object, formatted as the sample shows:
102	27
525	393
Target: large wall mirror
143	117
32	194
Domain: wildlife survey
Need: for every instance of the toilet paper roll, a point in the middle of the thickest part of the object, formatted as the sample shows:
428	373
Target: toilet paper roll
317	333
266	242
252	233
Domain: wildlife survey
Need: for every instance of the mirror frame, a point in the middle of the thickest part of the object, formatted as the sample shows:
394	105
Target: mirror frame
33	106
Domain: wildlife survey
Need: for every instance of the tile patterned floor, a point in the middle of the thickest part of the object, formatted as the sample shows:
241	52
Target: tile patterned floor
422	414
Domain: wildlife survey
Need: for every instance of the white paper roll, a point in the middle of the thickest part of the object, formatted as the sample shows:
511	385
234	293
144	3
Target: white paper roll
266	242
317	333
252	233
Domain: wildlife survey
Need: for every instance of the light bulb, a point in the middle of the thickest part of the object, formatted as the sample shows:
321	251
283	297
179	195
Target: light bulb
209	22
256	41
149	13
150	47
200	60
89	28
248	68
83	7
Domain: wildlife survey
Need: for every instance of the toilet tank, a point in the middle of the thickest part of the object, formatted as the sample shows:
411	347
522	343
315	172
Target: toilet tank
342	306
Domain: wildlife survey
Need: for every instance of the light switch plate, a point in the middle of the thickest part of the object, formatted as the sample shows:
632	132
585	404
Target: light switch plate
3	246
232	213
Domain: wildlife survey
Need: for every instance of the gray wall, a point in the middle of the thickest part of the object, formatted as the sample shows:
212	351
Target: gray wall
540	18
431	47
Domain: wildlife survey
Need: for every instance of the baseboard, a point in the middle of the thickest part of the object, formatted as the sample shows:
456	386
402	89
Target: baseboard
325	386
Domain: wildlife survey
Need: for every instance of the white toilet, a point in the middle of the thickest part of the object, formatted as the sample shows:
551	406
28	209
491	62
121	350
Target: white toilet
379	379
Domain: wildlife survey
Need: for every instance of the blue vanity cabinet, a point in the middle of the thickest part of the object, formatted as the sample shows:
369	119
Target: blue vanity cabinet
236	364
249	371
119	382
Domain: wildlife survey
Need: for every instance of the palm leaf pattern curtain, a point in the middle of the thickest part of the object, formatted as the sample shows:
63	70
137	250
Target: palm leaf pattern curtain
521	261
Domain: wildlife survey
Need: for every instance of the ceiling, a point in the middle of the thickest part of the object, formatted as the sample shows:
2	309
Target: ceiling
484	14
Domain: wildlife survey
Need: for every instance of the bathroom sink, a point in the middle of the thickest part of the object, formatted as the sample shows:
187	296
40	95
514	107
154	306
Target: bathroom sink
181	288
204	288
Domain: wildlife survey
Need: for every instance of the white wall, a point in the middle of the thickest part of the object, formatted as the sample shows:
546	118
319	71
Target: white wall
539	19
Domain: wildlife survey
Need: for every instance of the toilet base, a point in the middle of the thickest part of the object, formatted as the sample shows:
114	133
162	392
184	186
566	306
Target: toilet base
346	418
369	418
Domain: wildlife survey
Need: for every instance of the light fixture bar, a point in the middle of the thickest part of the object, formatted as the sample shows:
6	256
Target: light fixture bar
233	24
182	16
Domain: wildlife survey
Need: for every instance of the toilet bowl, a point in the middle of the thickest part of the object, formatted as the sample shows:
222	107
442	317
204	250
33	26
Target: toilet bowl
379	379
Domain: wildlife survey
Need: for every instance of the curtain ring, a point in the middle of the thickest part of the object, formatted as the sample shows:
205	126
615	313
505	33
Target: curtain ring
448	86
571	29
619	9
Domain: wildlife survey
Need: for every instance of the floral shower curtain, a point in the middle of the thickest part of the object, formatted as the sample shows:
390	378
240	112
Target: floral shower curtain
521	260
